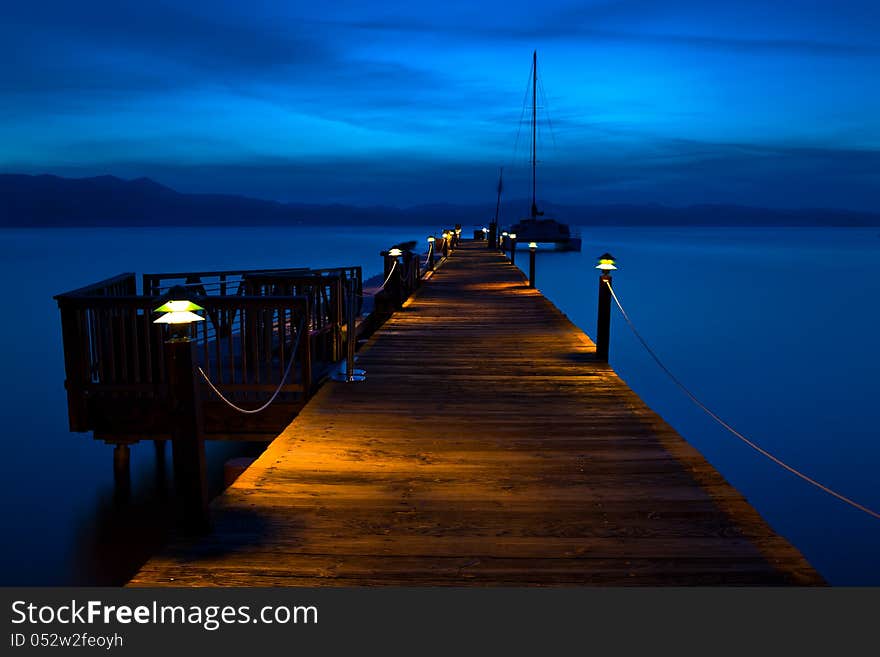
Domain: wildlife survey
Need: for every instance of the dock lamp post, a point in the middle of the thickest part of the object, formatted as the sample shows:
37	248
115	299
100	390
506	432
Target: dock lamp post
187	443
457	235
533	248
431	240
512	237
445	243
504	241
392	287
492	239
486	234
606	265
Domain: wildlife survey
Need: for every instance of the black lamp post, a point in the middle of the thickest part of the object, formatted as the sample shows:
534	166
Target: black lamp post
606	264
187	443
533	248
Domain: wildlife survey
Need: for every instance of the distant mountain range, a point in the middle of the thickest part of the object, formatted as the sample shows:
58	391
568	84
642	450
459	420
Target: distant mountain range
53	201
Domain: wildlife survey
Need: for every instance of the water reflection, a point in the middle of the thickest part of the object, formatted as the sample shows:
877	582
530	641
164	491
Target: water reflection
126	527
744	317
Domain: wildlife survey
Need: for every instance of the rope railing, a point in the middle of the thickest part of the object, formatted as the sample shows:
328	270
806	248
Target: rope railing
393	267
252	411
775	459
381	287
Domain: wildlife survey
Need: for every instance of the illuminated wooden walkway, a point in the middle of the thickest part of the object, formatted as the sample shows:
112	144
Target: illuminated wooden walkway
487	447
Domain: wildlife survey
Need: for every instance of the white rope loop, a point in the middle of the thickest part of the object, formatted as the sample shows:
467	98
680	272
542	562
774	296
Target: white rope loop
714	416
252	411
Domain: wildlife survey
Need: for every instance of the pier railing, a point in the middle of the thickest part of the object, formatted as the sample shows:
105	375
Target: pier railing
115	361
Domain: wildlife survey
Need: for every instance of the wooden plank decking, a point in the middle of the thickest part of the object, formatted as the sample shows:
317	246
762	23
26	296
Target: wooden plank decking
487	447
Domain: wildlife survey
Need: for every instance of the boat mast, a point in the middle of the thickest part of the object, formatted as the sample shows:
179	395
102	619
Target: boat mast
534	130
500	187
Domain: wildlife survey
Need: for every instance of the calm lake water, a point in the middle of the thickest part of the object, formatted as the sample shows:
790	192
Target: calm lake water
775	329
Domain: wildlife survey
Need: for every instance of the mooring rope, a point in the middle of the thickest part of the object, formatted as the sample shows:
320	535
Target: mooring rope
714	416
277	390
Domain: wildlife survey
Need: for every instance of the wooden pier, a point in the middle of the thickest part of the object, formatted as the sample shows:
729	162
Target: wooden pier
488	446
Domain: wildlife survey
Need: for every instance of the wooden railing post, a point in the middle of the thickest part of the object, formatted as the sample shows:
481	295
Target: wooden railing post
417	271
75	366
336	301
305	345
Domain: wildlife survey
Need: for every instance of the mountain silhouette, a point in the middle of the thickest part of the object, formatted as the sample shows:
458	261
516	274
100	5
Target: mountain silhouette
47	200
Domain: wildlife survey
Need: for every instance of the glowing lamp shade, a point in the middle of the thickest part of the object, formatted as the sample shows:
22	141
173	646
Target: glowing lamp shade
504	234
177	310
431	239
178	306
395	252
533	245
179	317
485	230
606	262
513	236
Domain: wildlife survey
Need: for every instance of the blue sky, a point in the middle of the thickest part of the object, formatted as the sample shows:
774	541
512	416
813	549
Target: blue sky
673	102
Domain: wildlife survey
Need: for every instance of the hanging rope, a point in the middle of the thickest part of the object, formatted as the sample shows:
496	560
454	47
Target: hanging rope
277	390
729	428
381	287
393	267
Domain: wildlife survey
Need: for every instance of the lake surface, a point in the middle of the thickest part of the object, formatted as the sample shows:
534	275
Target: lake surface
775	329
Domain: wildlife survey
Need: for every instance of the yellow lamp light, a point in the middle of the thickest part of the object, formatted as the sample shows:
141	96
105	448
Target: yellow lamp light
485	230
178	306
395	252
533	245
178	309
504	234
177	312
178	317
513	236
606	262
431	239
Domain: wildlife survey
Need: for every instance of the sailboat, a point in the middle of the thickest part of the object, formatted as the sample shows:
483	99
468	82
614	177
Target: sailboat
536	227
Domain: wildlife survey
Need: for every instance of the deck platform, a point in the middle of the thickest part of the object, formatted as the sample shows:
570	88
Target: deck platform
486	447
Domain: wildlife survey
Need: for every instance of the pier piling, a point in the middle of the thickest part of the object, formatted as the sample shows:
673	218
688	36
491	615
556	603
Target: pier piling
122	470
